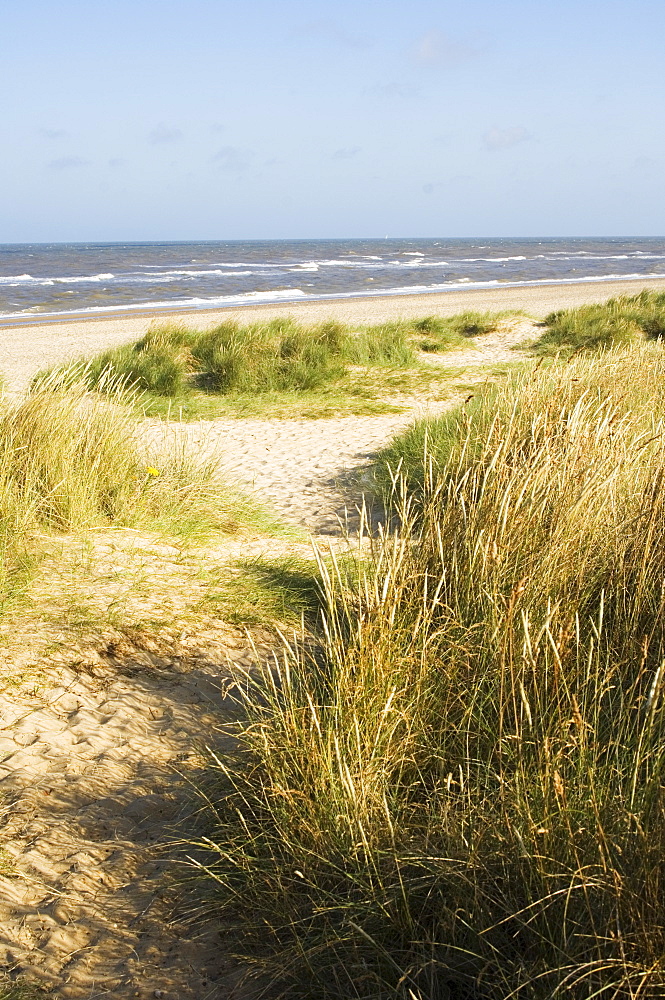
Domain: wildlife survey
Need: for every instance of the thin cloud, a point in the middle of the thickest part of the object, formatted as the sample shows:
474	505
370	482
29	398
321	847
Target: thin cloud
163	134
67	163
346	153
53	133
436	49
505	138
329	31
232	159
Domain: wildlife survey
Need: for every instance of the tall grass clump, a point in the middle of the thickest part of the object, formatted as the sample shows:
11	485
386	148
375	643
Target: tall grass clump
159	362
624	320
71	459
278	356
460	793
387	344
442	333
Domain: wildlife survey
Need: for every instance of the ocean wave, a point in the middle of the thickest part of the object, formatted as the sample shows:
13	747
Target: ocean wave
558	256
197	274
363	264
45	310
158	276
374	262
130	278
367	262
16	278
172	268
29	279
468	283
82	278
245	298
491	260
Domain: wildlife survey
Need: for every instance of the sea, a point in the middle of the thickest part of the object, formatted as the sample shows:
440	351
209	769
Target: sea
46	280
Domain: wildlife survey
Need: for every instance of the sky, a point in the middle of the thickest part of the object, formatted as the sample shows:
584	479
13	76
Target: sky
276	119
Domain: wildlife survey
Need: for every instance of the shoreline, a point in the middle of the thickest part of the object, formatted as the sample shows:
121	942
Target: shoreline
575	292
30	347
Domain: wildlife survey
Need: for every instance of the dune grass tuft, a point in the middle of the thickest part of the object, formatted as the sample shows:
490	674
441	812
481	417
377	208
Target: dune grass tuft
624	320
281	365
260	358
19	990
460	792
71	459
442	333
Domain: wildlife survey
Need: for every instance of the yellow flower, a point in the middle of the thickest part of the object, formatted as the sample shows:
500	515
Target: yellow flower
152	471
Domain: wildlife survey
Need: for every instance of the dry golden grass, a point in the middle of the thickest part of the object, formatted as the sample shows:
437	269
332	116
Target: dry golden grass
460	792
71	459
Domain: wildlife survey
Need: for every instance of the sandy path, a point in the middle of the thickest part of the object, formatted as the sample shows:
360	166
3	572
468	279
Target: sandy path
307	469
88	788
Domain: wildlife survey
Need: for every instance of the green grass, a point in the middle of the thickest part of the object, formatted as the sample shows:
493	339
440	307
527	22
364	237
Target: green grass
459	793
275	369
444	333
441	333
362	391
274	357
332	401
71	460
267	592
624	320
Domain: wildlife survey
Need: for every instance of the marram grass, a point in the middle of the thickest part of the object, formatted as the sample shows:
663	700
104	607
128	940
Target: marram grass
625	320
267	361
71	459
459	793
271	357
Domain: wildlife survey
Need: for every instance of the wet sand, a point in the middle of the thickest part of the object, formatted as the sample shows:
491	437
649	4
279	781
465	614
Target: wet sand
29	347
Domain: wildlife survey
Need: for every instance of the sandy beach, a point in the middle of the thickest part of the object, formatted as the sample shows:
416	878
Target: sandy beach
29	347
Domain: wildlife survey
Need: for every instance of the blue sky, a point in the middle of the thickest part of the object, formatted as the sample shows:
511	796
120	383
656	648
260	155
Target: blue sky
210	119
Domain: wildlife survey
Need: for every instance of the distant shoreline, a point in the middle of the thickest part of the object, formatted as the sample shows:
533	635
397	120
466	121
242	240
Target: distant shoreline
540	296
30	347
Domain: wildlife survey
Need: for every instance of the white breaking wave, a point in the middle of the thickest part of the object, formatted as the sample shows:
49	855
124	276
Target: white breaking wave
246	298
291	294
137	278
195	274
491	260
83	277
28	279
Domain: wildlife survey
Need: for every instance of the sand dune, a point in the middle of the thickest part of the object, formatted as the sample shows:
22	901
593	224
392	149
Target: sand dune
28	347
